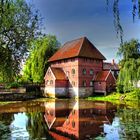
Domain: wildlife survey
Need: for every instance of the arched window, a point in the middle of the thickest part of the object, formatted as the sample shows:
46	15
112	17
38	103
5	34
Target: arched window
84	83
73	83
91	72
84	72
47	82
91	83
73	71
73	124
73	112
51	82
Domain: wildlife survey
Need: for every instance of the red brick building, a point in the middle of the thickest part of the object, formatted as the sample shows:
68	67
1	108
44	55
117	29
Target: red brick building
74	71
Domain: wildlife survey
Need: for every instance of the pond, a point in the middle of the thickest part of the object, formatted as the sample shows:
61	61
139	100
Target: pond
50	119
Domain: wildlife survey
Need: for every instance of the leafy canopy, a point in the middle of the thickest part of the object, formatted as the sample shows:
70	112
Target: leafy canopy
130	66
18	26
37	63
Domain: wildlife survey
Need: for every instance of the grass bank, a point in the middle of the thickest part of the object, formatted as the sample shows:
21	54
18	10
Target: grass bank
114	97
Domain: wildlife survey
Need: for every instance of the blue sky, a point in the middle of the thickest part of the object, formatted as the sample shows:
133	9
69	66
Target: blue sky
71	19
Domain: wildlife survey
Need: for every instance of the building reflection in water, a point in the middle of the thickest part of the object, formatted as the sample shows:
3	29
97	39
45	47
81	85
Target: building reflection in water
77	119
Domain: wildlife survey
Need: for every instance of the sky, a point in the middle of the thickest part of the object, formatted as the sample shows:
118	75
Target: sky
72	19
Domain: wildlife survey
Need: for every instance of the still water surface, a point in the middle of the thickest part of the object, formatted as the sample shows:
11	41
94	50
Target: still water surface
69	119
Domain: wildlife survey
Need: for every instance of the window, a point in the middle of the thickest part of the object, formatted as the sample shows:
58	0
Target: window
73	112
99	83
67	121
49	73
73	71
84	83
73	83
91	83
97	61
46	83
73	124
73	59
51	113
65	61
91	71
59	62
51	82
85	59
67	73
84	72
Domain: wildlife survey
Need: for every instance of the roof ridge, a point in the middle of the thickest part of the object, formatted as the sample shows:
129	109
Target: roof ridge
74	40
80	47
83	39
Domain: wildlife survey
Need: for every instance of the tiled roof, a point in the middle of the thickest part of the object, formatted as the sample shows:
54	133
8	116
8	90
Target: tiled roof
101	76
81	47
110	66
58	73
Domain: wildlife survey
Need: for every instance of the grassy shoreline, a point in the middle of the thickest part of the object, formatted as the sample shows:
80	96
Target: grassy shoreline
131	96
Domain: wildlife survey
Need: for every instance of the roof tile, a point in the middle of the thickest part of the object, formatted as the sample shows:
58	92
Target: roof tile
101	76
110	66
81	47
58	73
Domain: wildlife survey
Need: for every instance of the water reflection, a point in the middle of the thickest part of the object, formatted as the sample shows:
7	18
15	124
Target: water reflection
69	119
78	119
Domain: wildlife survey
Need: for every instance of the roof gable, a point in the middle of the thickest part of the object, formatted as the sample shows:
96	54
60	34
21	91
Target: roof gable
57	73
110	66
103	75
81	47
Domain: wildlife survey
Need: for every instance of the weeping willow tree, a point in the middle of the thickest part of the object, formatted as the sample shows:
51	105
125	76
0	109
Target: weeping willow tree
37	63
36	126
130	66
116	14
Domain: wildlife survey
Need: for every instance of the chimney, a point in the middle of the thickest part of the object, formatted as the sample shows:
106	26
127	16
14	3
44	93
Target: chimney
113	61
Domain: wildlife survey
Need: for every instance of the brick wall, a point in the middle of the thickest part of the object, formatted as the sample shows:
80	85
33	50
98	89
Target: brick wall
88	65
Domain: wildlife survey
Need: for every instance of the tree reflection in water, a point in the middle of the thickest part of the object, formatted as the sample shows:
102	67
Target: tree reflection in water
69	119
36	126
129	123
5	121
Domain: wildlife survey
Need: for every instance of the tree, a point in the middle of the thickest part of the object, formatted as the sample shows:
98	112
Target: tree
116	14
130	66
37	63
36	126
18	26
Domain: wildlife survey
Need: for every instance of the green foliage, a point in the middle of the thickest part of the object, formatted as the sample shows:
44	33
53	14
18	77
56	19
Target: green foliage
116	13
37	63
13	85
18	26
130	66
4	131
129	121
36	126
130	96
135	95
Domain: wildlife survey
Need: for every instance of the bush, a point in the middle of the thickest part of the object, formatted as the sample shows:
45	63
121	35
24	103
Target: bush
120	88
13	85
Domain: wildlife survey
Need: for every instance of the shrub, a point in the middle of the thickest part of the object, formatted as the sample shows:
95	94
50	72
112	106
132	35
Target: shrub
13	85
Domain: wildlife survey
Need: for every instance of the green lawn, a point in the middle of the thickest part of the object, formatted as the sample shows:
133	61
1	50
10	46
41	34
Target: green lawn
131	96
